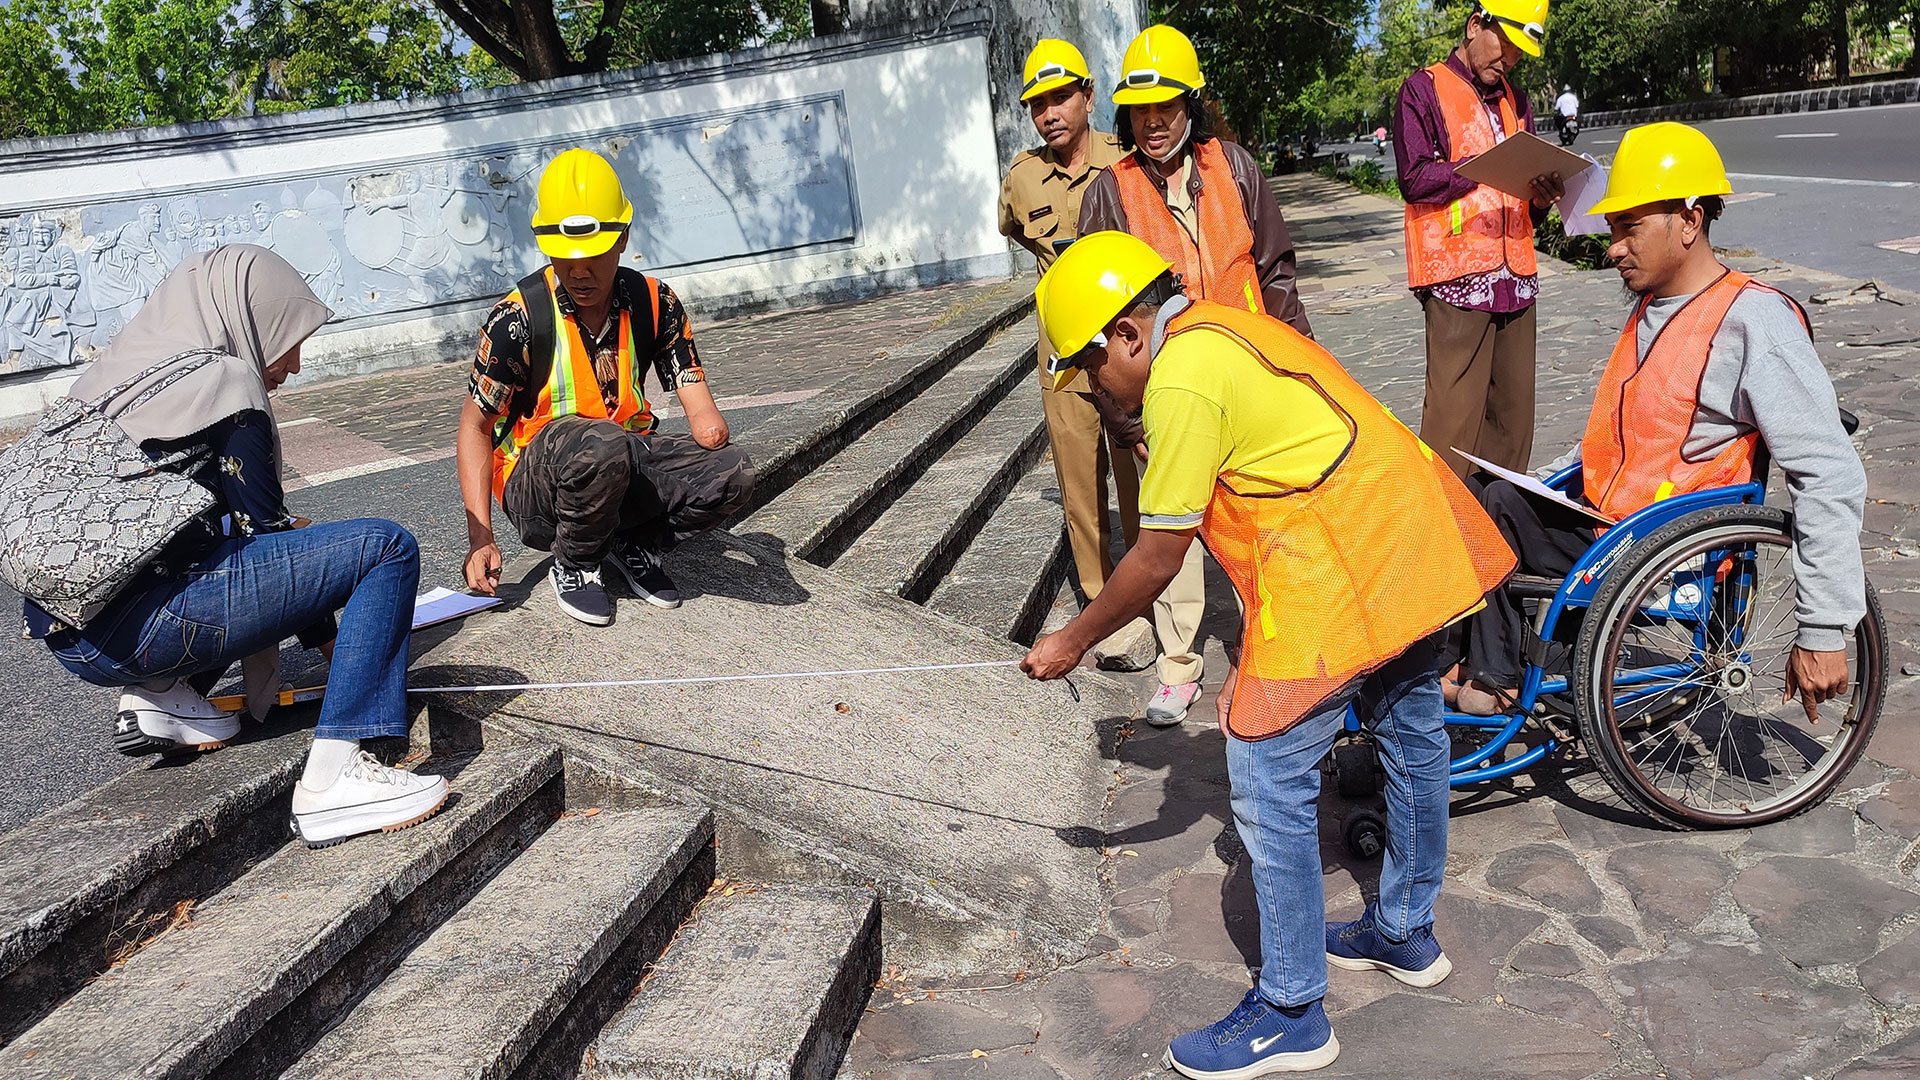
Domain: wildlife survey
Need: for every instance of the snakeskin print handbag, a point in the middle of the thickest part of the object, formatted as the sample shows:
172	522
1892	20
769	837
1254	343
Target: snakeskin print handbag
83	509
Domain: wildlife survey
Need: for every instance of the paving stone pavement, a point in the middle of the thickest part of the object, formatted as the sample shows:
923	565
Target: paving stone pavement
1584	943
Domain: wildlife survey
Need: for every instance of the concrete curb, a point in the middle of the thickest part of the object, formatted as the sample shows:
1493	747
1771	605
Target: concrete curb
1853	95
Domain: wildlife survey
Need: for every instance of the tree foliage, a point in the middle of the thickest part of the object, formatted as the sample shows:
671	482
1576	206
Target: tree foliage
1259	53
544	39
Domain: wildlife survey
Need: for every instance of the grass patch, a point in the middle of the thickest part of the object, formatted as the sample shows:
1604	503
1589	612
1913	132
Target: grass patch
1584	252
1365	174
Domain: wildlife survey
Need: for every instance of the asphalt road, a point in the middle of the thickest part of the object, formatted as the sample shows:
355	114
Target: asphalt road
1825	189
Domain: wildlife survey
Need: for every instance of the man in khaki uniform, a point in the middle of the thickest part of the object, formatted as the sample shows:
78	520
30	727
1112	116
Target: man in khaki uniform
1040	210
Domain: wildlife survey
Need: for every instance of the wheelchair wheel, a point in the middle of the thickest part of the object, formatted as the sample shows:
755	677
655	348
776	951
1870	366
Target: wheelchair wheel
1680	667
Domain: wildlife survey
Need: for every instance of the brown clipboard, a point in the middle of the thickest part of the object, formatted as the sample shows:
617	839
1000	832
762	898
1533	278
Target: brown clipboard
1515	161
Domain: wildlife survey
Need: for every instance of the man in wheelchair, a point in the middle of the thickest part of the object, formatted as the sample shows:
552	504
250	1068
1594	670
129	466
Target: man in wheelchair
1713	372
1350	544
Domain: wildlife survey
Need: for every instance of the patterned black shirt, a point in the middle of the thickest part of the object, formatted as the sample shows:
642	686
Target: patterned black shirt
501	366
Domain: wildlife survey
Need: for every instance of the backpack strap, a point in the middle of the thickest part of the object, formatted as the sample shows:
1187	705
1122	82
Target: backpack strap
536	299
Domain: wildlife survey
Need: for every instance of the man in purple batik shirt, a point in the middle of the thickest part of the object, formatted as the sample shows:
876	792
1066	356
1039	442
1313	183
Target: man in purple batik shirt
1474	273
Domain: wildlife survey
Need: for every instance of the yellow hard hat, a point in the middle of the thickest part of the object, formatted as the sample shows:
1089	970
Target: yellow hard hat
580	210
1662	161
1160	65
1095	279
1523	21
1051	65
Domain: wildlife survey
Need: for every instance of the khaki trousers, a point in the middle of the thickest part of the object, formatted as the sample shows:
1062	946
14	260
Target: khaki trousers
1082	456
1081	459
1480	369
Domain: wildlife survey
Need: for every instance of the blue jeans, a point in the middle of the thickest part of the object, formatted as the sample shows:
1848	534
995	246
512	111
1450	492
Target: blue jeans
249	594
1276	791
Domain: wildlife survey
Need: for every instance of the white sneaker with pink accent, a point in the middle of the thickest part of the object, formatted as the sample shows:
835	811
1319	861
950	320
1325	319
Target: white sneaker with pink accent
1169	704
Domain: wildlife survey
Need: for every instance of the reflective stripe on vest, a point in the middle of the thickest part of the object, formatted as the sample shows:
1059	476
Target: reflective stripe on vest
1342	575
1220	266
1633	452
1483	229
573	389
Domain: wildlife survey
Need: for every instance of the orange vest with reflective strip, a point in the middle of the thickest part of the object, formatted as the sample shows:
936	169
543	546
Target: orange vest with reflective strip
1340	576
1483	229
1633	451
572	388
1218	268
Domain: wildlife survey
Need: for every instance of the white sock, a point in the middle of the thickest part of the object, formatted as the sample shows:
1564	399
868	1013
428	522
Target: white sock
326	760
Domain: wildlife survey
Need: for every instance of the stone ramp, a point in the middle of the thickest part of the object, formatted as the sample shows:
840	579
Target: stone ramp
972	798
477	996
802	963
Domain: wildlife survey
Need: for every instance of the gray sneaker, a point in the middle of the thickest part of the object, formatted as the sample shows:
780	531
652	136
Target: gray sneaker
640	568
1169	704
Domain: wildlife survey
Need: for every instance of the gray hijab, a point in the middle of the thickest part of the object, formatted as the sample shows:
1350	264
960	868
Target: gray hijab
242	301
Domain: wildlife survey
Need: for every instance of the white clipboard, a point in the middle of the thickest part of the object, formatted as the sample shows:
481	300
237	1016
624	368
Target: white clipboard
1535	488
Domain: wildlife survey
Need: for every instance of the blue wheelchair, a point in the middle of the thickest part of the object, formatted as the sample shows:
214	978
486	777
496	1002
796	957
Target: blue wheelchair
1664	652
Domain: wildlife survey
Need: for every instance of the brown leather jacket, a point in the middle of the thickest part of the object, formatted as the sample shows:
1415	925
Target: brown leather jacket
1273	257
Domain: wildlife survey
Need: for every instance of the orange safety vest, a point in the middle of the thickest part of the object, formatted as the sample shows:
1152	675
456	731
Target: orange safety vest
572	388
1483	229
1220	266
1341	576
1633	452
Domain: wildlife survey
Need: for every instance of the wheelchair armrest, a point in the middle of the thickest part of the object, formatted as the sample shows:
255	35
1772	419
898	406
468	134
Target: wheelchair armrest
1532	587
1566	481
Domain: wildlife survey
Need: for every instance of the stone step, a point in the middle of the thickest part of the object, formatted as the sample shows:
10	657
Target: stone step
75	882
816	429
759	985
916	541
1008	578
267	961
821	514
589	903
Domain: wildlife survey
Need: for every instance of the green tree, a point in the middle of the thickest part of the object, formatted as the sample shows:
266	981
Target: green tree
302	54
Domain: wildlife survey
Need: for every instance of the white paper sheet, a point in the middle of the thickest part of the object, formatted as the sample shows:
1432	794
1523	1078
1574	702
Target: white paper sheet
440	605
1534	487
1584	189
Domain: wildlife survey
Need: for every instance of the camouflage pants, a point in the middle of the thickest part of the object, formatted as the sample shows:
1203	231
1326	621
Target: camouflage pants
583	483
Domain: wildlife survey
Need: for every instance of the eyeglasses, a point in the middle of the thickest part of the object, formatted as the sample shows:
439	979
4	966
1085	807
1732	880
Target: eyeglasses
579	225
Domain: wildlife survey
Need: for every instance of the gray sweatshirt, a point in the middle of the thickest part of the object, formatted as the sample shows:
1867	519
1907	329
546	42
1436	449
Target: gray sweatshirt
1763	374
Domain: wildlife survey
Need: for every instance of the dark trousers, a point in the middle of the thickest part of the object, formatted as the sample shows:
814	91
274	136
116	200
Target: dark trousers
582	483
1480	367
1547	539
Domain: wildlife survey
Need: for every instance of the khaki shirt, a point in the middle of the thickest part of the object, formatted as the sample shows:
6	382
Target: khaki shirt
1040	203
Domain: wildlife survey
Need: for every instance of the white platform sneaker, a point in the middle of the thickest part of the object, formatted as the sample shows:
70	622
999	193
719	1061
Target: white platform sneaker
173	718
365	796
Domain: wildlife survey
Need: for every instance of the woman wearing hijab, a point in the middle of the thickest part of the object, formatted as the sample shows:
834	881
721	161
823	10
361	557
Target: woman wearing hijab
249	580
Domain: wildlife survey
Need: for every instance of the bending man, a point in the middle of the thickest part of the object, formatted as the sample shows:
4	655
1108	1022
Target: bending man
1350	545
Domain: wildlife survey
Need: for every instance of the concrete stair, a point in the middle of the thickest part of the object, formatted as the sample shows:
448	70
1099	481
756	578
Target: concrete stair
803	961
495	939
936	490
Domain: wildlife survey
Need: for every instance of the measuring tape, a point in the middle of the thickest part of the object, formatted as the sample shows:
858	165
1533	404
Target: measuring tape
236	702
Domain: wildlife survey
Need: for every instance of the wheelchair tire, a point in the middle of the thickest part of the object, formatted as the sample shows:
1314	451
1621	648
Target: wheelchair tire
1703	715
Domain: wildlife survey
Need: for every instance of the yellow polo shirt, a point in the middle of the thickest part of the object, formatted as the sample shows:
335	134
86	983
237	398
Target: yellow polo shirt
1216	412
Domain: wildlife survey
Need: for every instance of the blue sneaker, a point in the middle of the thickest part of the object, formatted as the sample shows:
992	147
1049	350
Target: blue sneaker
1360	946
1255	1039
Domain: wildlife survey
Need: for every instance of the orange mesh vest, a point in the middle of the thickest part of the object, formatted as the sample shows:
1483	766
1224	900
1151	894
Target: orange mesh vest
1220	267
1482	229
1339	577
1631	455
572	388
